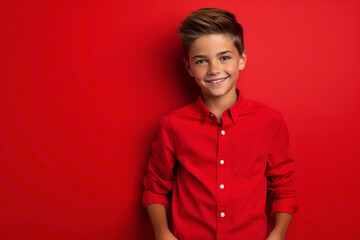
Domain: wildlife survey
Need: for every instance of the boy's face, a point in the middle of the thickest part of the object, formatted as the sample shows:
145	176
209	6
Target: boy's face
215	62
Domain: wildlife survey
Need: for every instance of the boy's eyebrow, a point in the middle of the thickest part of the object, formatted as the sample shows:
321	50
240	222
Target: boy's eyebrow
223	52
220	53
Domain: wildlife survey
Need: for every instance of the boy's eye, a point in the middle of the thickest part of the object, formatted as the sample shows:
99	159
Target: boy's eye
200	61
224	58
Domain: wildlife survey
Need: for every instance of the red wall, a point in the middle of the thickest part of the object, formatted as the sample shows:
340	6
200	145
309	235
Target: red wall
83	85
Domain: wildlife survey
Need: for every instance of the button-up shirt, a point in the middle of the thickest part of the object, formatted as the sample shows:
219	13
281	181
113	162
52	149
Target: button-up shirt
219	173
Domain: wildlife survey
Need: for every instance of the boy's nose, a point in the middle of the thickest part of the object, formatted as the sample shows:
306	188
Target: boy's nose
214	68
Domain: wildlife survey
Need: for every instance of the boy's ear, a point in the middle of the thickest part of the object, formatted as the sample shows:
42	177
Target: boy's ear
187	66
242	61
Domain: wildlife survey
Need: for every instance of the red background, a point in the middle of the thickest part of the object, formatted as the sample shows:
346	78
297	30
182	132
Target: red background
85	83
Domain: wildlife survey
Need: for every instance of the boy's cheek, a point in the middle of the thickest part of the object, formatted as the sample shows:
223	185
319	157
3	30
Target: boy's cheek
198	75
233	69
198	81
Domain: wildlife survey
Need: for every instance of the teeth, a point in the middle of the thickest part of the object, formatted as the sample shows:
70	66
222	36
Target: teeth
218	80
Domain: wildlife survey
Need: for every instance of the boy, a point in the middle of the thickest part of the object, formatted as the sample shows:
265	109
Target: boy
219	155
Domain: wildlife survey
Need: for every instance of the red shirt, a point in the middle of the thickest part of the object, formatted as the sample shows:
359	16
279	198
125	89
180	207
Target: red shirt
219	172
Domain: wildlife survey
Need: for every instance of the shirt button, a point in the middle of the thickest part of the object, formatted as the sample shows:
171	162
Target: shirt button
222	214
222	132
222	186
221	161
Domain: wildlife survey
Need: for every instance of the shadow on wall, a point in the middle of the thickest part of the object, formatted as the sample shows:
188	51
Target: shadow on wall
187	85
187	91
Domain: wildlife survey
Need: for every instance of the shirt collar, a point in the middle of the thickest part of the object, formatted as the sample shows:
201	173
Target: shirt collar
234	110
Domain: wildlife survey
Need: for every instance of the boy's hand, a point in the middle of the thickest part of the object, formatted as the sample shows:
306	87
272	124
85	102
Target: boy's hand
276	235
166	236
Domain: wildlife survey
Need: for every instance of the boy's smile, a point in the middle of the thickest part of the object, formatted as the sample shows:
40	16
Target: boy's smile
217	81
215	62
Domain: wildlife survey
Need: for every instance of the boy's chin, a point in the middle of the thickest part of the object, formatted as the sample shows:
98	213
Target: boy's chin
214	92
217	92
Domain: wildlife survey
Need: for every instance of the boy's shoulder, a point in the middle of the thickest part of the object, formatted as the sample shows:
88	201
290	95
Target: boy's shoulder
187	111
263	109
249	108
264	114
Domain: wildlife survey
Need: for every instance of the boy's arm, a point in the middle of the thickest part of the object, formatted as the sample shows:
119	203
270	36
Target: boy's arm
280	178
158	180
157	213
282	222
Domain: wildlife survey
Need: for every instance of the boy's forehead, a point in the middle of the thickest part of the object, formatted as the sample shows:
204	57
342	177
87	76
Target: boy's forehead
212	44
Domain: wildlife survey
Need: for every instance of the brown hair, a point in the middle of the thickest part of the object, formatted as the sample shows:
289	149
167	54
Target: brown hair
210	21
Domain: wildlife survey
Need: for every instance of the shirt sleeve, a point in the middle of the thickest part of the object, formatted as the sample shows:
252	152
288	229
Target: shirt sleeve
158	180
280	172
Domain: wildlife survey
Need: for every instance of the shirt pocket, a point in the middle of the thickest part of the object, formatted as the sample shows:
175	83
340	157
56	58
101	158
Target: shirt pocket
249	159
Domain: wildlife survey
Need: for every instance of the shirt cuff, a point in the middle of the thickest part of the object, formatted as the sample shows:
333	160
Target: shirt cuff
287	205
150	197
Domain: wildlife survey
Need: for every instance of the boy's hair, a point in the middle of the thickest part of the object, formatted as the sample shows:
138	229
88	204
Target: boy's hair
210	21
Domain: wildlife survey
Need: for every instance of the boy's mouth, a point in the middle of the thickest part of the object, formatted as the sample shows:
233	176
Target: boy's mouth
217	81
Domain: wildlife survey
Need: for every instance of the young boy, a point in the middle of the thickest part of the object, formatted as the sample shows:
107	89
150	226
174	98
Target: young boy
219	155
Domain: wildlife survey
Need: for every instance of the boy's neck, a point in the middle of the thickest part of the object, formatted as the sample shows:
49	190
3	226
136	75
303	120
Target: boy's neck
218	105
